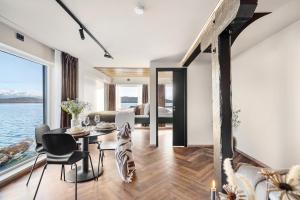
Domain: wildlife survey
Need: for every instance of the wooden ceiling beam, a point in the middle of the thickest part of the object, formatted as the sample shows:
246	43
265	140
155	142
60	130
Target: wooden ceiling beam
239	29
227	14
124	72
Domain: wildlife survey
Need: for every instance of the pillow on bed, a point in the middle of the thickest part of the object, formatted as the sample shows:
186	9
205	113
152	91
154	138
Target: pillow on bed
147	109
127	110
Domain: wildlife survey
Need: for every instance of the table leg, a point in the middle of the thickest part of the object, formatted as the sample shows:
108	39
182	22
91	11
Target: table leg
85	161
84	172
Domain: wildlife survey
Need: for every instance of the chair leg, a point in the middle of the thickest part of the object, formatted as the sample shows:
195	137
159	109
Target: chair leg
61	172
32	168
39	182
92	166
102	156
99	161
75	181
64	173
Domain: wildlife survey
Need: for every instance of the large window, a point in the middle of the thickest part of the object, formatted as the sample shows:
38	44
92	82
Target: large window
128	96
22	84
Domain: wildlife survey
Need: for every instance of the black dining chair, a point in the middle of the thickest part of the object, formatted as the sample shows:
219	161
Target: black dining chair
39	132
61	149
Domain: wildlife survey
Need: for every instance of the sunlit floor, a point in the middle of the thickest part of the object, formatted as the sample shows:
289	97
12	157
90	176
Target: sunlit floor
162	173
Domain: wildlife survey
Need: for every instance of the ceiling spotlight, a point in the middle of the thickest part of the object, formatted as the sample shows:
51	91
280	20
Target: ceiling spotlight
139	9
107	55
81	33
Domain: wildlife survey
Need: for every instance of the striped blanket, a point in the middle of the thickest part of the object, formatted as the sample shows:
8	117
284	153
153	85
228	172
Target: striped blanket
123	154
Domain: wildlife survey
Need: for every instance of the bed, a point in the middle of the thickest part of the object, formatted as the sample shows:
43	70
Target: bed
165	116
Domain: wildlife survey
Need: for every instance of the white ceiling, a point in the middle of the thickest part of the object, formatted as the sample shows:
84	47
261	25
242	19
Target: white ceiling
167	28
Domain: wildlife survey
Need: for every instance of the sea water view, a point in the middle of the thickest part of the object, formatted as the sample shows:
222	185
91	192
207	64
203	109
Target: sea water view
17	124
21	109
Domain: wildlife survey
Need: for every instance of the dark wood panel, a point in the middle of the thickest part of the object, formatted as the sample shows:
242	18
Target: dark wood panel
179	107
225	94
179	104
222	113
192	56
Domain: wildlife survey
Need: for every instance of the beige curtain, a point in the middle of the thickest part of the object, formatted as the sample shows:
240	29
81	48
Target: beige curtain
112	97
161	95
145	94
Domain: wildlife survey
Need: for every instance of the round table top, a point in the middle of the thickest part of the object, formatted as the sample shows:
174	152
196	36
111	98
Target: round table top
93	133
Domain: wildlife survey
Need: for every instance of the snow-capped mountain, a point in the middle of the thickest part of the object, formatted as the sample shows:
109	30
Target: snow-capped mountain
6	94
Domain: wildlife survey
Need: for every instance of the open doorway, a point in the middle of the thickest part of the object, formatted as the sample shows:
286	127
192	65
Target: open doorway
165	106
171	105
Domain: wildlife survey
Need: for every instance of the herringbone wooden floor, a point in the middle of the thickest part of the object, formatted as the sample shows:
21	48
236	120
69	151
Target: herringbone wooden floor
162	173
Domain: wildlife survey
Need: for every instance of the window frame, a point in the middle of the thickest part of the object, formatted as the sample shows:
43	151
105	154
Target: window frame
118	97
21	168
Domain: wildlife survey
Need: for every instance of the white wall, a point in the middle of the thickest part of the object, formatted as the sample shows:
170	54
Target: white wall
199	103
91	86
37	52
265	27
265	86
54	91
152	100
29	48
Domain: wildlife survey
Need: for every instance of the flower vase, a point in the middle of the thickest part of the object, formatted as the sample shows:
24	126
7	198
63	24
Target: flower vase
75	121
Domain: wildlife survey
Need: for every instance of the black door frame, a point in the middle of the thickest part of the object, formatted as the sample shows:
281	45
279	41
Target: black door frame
185	103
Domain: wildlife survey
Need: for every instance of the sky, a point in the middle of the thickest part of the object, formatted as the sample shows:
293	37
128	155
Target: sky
20	76
129	91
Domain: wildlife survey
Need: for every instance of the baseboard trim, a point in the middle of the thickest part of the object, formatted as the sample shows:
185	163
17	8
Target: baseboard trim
189	146
200	146
238	151
252	159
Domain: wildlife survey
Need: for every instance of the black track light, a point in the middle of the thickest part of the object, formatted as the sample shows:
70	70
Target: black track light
107	55
81	33
83	29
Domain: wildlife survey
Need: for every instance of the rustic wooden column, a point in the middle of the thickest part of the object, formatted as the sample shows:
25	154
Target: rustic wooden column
227	21
222	112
